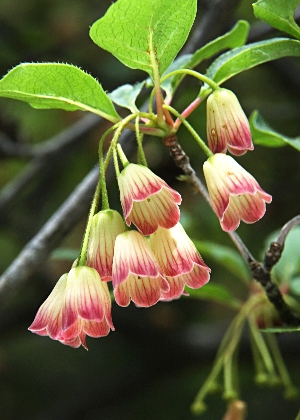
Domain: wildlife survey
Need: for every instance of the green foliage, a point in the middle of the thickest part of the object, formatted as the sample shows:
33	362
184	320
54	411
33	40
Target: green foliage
145	35
244	58
126	95
264	135
234	38
288	266
295	285
279	14
216	293
53	85
228	257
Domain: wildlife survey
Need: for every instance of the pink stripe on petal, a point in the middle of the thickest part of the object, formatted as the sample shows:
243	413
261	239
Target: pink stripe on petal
51	307
176	288
72	332
231	218
121	293
252	208
197	277
96	329
133	251
74	343
89	302
144	291
54	327
158	210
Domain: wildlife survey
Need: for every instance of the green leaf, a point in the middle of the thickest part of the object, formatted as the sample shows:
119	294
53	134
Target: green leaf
225	256
145	34
214	292
264	135
295	285
279	14
288	266
126	95
234	38
280	329
54	85
244	58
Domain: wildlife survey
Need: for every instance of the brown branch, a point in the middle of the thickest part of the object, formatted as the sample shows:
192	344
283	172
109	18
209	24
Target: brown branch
43	156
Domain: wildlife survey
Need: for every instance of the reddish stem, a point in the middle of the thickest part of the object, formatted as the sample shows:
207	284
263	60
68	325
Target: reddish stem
188	111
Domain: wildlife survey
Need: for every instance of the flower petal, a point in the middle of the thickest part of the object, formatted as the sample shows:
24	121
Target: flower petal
143	291
106	226
234	193
48	320
132	255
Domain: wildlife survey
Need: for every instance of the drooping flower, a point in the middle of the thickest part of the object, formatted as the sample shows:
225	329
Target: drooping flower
147	200
179	260
136	274
79	305
106	226
235	194
227	125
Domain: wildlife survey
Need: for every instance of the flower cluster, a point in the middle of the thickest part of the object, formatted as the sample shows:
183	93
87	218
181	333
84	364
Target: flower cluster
157	260
146	265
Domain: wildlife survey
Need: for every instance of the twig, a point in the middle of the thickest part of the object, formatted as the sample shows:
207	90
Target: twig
44	155
262	273
11	149
286	229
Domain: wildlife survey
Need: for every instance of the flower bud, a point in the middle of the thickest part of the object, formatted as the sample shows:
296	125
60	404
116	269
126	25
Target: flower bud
227	124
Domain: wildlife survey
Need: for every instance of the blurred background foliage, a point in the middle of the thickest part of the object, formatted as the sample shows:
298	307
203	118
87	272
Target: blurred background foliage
152	366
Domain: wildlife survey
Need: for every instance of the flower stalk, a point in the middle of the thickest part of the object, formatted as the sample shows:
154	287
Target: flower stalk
196	136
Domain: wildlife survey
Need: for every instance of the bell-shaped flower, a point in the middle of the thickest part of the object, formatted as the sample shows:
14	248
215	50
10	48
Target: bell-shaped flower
147	200
179	261
235	195
136	273
48	320
106	226
79	305
227	125
87	302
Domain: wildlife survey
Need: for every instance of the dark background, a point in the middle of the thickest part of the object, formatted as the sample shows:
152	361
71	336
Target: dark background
152	366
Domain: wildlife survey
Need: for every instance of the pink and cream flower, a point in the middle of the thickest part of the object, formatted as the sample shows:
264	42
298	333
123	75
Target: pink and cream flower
235	195
147	200
79	305
179	261
136	273
227	125
106	226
